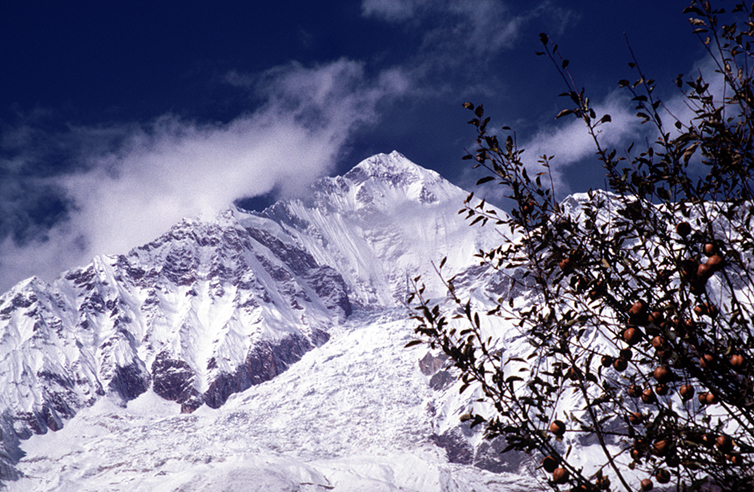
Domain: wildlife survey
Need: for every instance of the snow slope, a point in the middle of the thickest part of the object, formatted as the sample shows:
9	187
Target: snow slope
256	351
353	414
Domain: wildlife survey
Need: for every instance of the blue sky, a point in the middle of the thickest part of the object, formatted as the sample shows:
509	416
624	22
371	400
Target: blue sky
117	118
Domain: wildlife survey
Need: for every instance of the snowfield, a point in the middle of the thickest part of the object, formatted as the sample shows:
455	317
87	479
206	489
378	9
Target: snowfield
260	351
355	414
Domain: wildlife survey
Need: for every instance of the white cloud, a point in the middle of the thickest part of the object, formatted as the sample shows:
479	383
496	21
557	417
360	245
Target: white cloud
391	10
569	142
466	29
481	27
172	168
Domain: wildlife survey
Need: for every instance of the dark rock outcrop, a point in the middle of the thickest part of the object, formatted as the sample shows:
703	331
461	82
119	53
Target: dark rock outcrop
263	362
455	445
489	456
172	379
130	381
441	380
430	364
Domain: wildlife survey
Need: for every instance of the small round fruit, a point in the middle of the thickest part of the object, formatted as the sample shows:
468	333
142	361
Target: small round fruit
662	374
703	397
711	399
557	427
683	229
550	463
662	476
715	262
648	396
737	362
708	439
687	392
646	485
736	459
656	318
706	309
634	391
637	308
662	389
659	342
572	374
724	444
706	361
704	271
560	475
636	418
565	265
664	354
684	326
607	361
660	448
638	313
709	249
620	364
626	353
632	336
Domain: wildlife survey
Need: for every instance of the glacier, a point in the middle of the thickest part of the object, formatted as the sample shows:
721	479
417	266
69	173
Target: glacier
255	351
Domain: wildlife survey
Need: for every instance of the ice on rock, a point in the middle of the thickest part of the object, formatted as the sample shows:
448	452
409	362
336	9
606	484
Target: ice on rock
256	351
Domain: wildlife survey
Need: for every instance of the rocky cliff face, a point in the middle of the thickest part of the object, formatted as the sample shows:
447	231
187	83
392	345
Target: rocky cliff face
204	311
212	308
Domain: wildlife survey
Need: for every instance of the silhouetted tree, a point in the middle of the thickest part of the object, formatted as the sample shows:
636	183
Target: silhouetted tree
643	296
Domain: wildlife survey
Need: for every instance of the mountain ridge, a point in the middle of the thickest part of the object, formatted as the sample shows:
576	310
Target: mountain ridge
211	308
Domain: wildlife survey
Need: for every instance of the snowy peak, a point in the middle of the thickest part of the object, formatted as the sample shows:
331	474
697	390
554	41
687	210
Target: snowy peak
211	308
380	184
393	168
204	311
381	224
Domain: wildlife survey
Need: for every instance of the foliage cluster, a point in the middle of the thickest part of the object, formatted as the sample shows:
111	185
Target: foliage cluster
643	294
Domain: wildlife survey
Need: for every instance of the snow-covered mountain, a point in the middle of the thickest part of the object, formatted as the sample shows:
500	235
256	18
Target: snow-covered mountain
255	351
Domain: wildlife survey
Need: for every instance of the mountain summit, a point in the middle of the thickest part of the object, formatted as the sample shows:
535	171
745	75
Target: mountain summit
211	309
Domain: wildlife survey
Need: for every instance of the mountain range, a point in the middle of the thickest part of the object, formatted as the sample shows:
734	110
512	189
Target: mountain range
255	351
